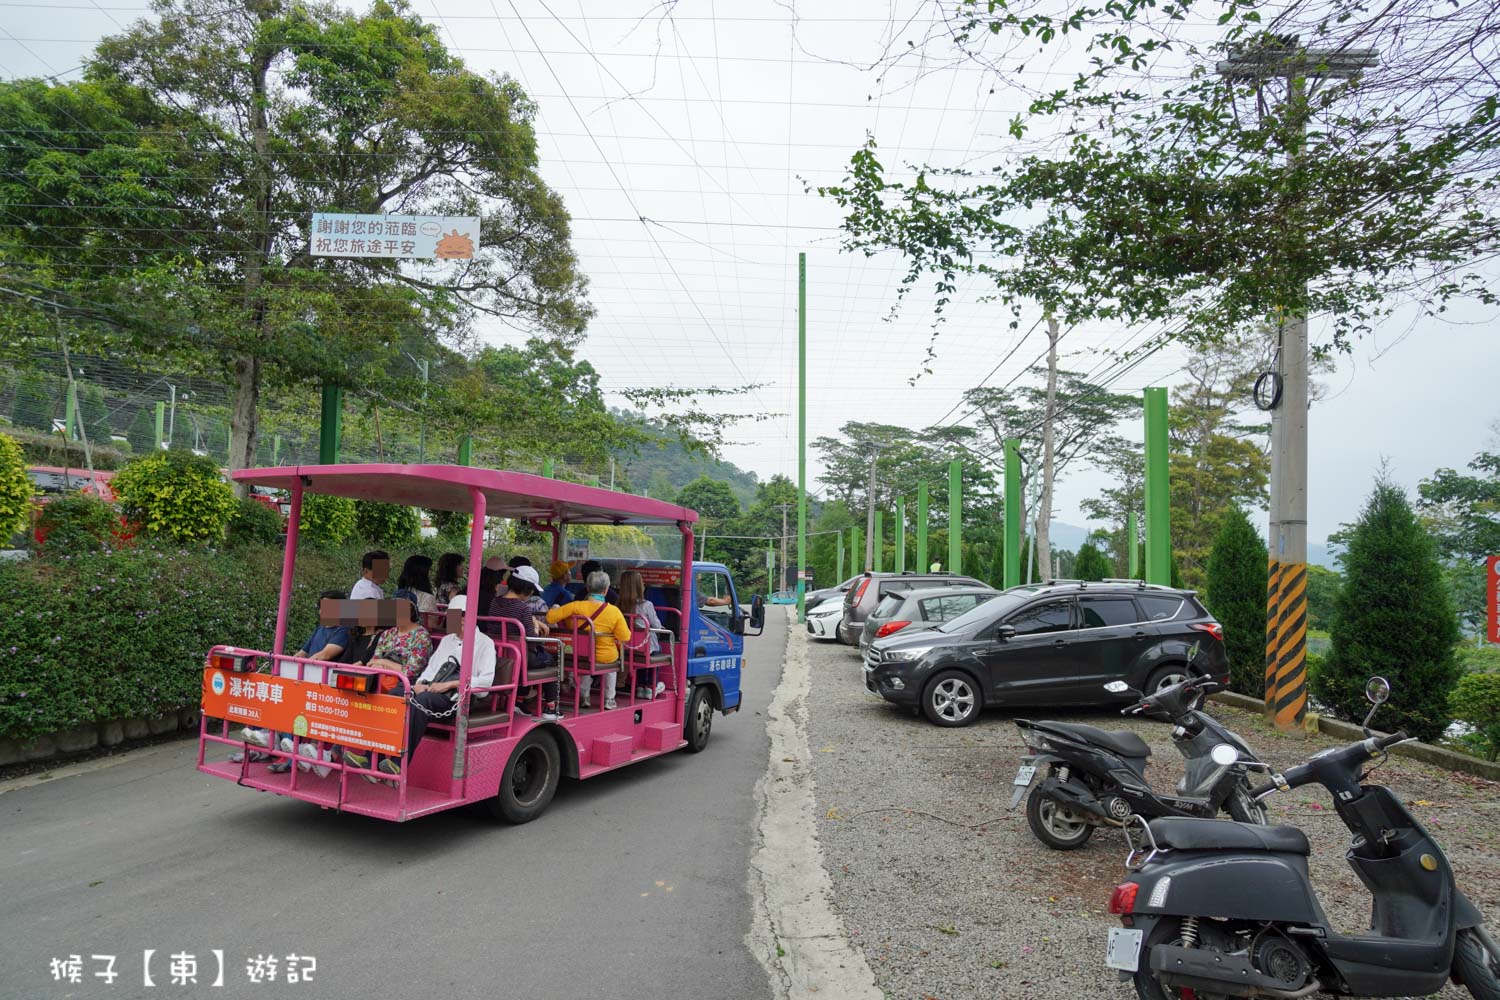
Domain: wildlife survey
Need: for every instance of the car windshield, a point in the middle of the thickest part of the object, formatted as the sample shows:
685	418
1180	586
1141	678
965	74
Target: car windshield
1001	604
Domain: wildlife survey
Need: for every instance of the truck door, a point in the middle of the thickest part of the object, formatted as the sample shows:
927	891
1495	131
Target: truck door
715	649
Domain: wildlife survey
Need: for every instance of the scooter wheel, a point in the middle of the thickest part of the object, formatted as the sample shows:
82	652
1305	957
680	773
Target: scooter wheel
1243	808
1048	819
1475	967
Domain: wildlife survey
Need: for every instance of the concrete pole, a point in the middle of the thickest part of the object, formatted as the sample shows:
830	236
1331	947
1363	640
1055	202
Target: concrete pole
878	539
1049	416
161	419
839	539
870	514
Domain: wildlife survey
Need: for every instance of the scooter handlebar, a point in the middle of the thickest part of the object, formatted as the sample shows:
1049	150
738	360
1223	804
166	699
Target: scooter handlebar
1354	753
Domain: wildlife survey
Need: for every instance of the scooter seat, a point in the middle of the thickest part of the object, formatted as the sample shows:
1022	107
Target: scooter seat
1186	833
1122	742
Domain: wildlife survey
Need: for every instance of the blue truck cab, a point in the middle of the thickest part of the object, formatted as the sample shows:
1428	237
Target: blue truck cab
715	631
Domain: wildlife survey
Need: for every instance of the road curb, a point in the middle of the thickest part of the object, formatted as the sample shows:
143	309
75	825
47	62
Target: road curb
1424	752
794	931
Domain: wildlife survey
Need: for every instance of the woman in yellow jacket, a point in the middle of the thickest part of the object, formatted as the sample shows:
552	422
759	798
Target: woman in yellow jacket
610	629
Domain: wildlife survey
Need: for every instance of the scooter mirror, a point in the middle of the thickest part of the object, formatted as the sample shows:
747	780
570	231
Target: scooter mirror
1223	754
1117	687
1378	690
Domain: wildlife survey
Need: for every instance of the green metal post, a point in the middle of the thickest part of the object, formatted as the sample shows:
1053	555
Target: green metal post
549	469
802	437
331	425
880	541
955	516
922	562
594	481
275	449
1132	545
900	534
70	421
161	424
1158	522
466	450
1012	538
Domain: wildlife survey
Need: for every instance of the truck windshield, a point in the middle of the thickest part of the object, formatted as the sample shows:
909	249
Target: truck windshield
1002	604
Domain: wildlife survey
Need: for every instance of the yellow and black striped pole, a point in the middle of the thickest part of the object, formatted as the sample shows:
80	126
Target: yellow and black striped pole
1290	703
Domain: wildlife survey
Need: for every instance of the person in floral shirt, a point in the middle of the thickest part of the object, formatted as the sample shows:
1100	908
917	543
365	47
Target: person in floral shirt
405	647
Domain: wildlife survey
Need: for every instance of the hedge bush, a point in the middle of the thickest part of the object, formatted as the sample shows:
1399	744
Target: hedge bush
1237	597
1476	701
77	522
452	525
15	489
1394	618
89	638
386	524
253	523
176	495
327	522
1091	564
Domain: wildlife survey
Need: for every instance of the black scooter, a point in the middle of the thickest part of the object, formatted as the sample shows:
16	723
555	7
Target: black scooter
1096	778
1218	909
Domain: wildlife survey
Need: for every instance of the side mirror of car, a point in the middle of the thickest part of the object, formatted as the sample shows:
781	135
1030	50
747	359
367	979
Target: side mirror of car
1005	633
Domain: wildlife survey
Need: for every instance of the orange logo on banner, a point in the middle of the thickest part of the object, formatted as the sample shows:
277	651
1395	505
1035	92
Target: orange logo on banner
312	711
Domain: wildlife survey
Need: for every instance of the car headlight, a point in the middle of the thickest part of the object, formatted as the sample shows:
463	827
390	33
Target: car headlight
904	655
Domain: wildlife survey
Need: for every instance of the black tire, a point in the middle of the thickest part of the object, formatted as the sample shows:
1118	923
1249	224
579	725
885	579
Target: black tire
951	699
838	634
1243	808
1475	968
530	779
699	724
1146	986
1167	676
1043	815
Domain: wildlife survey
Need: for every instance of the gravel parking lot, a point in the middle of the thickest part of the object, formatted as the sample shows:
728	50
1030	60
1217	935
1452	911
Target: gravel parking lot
951	897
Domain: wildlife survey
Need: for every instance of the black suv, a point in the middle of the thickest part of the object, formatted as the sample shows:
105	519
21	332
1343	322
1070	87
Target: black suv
870	589
1052	644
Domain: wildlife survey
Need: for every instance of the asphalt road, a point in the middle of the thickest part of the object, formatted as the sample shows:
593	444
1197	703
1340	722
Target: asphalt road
632	884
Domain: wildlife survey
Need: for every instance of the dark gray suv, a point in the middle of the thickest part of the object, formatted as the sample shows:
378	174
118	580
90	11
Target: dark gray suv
870	588
1053	644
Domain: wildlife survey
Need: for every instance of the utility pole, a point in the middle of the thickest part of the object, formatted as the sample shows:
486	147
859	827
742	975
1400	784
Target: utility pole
1044	505
1286	597
784	508
83	434
422	425
870	515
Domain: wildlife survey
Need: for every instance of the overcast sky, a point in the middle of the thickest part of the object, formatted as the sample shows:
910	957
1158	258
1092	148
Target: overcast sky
707	124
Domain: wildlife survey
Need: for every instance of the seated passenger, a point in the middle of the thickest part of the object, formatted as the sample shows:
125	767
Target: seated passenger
579	588
641	614
557	592
609	630
405	646
375	569
415	577
327	642
516	603
436	689
450	577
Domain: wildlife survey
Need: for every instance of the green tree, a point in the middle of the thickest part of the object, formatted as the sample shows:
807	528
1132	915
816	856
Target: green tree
176	495
1322	596
1394	619
714	501
272	110
15	489
31	406
1091	564
95	413
1462	512
387	524
1476	701
1237	598
142	432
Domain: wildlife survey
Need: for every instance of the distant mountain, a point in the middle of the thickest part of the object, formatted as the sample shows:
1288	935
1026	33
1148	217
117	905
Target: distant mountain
663	469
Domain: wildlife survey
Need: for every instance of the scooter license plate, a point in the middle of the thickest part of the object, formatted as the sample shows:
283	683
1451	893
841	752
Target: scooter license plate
1023	780
1124	950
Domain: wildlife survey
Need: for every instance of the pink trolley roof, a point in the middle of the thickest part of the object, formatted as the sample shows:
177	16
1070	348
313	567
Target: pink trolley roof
446	487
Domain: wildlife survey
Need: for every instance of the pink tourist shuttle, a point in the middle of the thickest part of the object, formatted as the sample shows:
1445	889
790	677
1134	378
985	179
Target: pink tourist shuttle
485	751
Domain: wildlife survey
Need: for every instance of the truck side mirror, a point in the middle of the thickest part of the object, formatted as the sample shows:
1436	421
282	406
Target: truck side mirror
757	612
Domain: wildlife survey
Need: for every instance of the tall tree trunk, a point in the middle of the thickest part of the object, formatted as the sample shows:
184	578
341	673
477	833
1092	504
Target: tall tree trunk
243	424
1044	506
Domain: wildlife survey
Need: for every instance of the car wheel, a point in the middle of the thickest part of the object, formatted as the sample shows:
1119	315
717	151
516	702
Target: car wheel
1053	825
530	779
700	719
952	698
1164	677
838	634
